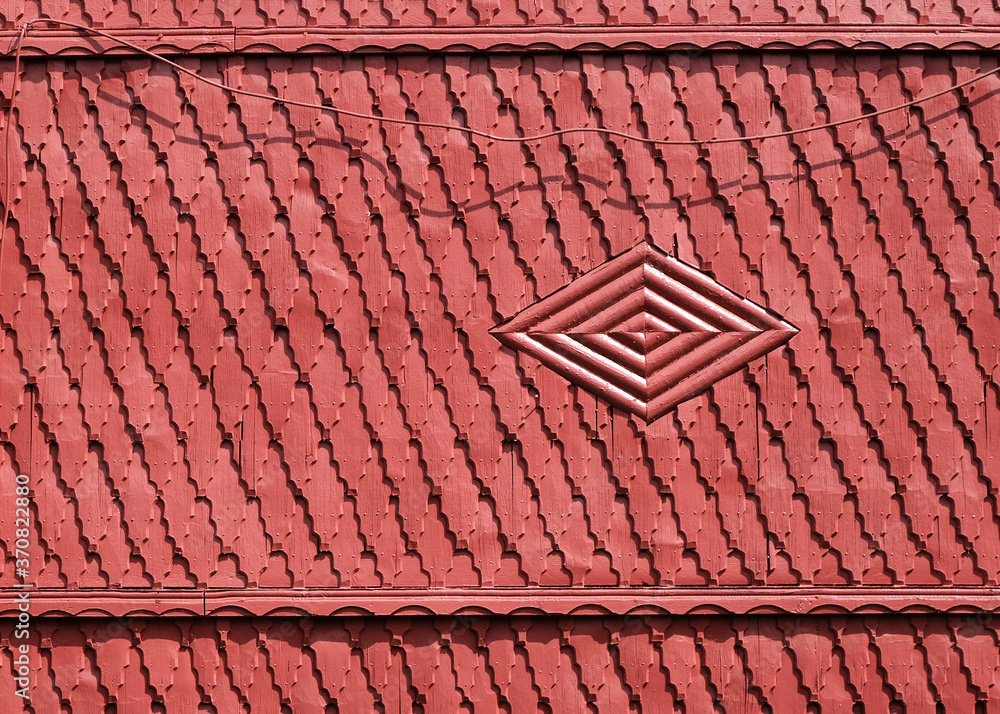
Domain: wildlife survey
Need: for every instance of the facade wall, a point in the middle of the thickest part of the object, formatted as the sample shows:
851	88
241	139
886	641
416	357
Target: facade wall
277	459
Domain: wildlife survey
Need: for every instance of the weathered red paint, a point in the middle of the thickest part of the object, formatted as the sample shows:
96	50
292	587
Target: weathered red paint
246	360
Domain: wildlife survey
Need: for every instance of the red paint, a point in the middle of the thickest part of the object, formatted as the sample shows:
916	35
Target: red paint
494	664
799	600
304	16
246	358
644	332
43	41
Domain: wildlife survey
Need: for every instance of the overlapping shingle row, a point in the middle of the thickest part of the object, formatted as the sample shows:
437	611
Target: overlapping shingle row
764	664
247	344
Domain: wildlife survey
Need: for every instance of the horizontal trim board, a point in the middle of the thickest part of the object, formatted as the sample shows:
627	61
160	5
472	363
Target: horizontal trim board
221	40
346	602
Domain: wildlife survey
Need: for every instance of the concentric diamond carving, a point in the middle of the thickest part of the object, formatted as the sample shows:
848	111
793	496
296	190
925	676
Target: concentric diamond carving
644	331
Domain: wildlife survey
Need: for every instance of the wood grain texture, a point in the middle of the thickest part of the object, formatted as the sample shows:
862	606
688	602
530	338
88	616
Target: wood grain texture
248	345
279	463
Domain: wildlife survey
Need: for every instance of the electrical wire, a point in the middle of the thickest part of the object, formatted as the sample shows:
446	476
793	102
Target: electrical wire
494	137
25	27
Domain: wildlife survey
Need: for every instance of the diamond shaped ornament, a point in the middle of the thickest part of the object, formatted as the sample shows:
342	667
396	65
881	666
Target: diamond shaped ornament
644	331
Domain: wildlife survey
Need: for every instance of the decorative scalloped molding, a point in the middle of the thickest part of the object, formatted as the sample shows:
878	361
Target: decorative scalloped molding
345	602
216	40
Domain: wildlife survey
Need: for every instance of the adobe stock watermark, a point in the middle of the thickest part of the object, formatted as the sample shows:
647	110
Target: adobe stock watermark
20	648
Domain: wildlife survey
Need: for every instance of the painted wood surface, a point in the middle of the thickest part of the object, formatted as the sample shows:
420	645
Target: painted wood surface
246	361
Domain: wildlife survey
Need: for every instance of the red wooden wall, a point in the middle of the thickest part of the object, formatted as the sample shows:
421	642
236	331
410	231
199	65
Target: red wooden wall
279	463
